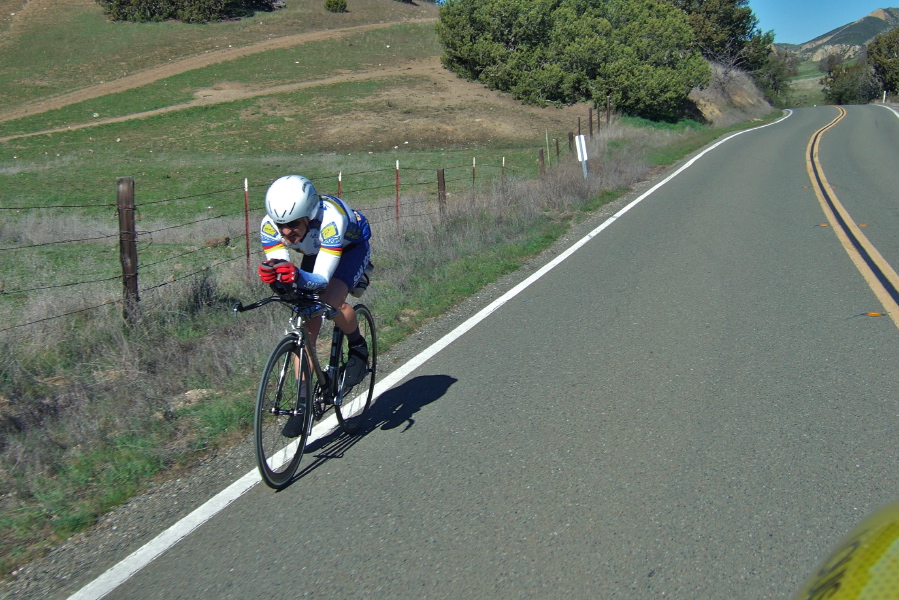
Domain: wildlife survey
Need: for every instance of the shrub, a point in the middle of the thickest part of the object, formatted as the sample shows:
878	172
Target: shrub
883	55
335	6
189	11
851	84
639	53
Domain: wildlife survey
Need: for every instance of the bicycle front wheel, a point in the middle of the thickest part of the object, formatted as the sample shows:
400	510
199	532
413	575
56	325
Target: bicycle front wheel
353	402
283	413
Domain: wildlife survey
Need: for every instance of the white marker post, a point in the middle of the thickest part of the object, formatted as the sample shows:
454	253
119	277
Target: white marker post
582	152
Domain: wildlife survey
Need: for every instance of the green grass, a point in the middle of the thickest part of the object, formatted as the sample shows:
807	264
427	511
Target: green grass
304	63
678	127
682	147
88	49
805	88
808	70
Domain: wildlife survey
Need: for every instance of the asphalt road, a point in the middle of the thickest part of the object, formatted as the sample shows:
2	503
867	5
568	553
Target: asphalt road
693	405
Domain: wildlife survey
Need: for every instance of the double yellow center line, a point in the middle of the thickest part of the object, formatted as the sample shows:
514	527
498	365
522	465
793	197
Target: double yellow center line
880	276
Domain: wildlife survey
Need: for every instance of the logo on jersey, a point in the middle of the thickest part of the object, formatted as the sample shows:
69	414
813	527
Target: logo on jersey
270	238
330	237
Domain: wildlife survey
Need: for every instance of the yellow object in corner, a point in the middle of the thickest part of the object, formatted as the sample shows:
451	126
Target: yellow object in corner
865	566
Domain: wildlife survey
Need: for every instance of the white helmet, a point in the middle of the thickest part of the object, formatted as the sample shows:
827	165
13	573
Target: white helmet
290	198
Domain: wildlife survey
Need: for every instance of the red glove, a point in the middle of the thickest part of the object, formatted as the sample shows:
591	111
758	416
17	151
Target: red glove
287	272
267	272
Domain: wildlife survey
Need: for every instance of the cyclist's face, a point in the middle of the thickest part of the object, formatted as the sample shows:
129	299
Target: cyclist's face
295	231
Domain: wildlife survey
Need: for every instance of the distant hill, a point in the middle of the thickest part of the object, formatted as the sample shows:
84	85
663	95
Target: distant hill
848	40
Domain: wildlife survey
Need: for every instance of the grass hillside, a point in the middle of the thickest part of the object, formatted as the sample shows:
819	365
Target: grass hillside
53	46
849	40
93	411
862	31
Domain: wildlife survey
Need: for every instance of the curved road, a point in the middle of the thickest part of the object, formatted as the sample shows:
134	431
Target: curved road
695	404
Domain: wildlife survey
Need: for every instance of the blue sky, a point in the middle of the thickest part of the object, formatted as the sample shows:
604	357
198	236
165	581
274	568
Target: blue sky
798	21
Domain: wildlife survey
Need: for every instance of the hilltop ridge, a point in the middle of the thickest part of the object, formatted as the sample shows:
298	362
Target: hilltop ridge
847	40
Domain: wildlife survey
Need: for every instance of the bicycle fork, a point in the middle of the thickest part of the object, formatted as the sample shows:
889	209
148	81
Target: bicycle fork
299	407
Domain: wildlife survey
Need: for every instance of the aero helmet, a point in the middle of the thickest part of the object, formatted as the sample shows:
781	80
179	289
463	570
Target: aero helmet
291	197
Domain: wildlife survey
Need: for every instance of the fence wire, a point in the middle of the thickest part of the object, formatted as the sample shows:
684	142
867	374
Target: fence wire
463	175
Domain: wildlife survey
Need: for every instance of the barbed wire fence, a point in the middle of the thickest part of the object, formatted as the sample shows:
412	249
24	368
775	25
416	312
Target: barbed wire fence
418	193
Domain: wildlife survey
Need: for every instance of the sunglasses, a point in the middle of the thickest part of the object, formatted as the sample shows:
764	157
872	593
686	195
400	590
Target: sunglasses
291	225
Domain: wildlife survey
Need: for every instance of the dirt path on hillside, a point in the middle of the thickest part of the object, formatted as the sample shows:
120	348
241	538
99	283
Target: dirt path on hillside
447	109
486	112
196	62
218	94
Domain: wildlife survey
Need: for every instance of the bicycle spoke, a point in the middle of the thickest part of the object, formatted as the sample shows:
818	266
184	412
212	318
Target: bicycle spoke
282	415
352	403
294	391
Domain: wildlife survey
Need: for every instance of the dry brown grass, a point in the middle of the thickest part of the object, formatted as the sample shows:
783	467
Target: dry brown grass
731	98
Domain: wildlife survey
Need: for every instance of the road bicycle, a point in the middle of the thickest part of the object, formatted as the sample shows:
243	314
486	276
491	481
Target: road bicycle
296	389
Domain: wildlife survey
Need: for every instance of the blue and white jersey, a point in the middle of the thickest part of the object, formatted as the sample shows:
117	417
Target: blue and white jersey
334	227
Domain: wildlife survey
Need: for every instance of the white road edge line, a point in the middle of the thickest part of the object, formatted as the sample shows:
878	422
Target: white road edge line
122	571
890	108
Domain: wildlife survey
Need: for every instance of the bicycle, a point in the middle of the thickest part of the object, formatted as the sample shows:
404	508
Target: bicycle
296	390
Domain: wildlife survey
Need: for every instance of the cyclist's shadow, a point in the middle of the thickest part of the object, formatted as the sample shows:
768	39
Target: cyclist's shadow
392	409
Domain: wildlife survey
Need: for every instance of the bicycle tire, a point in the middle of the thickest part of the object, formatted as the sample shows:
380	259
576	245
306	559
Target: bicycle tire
353	403
285	388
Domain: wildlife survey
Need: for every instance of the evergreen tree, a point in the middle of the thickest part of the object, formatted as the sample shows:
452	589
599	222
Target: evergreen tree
883	56
774	77
727	32
566	51
829	62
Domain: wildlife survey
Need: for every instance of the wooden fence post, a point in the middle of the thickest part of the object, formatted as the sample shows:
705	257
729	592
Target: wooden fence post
571	144
542	163
441	193
128	247
590	120
608	109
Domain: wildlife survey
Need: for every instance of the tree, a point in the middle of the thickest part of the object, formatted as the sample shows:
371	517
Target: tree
726	31
830	62
555	51
883	56
851	84
774	77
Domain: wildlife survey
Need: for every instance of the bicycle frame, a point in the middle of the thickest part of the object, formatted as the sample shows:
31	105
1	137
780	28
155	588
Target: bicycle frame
294	374
303	311
299	327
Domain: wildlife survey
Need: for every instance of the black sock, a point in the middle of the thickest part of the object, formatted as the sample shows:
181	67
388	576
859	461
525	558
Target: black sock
355	338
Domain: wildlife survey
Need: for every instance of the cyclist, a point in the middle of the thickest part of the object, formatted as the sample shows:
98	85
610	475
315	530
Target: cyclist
333	240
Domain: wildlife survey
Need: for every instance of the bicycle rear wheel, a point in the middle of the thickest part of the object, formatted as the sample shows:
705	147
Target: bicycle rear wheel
353	403
283	413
